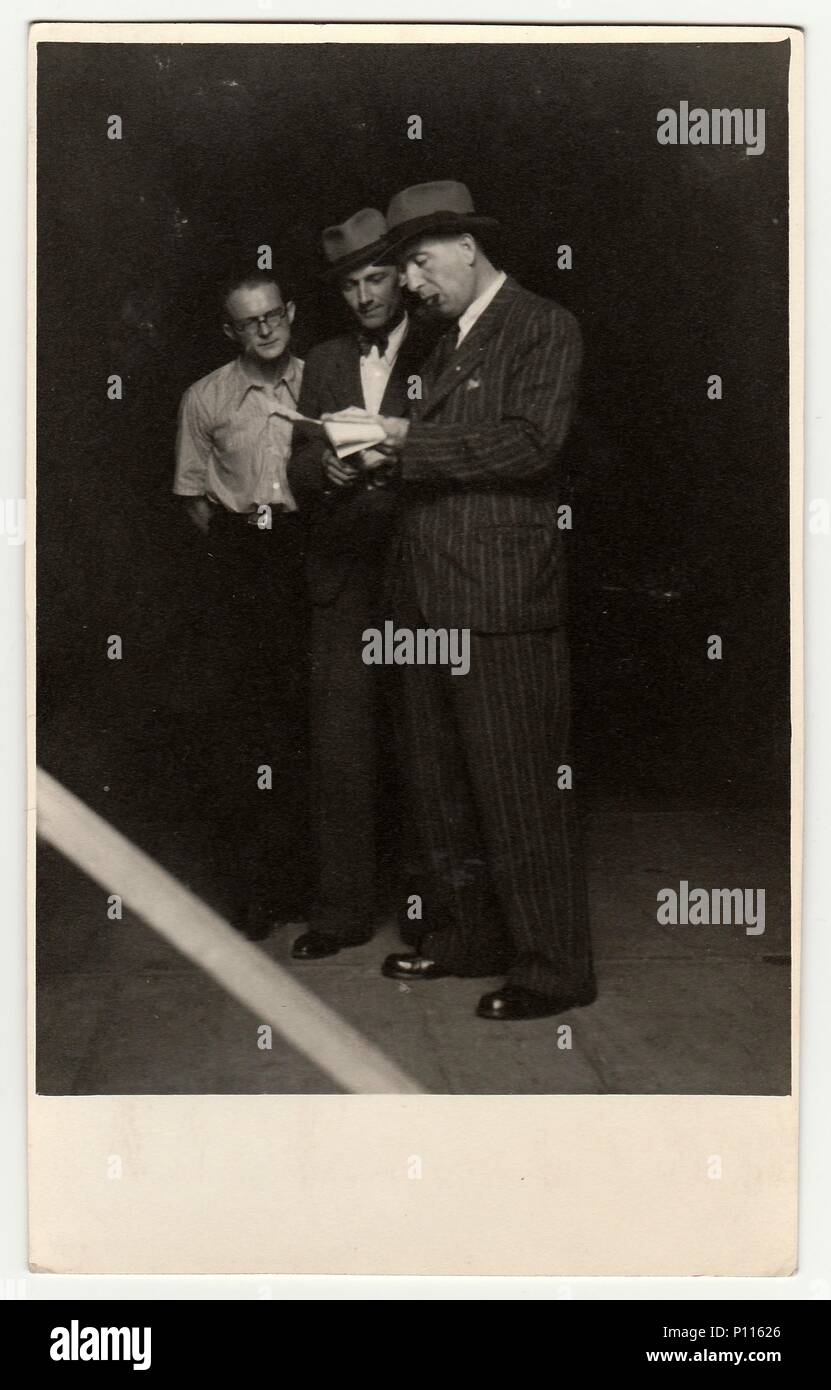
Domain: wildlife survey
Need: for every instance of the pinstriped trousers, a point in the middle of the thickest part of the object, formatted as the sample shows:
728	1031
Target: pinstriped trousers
502	841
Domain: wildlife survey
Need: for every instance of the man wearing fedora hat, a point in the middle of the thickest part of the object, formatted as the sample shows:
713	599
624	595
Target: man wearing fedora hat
479	548
350	520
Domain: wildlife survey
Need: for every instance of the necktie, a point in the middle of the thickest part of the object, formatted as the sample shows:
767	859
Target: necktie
445	348
370	338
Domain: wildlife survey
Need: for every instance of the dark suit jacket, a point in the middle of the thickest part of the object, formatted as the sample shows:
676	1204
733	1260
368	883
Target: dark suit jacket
353	523
480	469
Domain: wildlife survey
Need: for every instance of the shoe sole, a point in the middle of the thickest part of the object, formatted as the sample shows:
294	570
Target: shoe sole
390	974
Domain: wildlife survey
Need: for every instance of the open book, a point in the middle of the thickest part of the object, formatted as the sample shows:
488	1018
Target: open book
348	430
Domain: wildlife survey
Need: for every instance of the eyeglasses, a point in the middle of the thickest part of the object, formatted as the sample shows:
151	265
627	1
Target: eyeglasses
251	325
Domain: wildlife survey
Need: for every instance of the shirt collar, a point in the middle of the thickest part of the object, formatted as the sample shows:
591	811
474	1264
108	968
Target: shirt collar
395	339
478	307
245	380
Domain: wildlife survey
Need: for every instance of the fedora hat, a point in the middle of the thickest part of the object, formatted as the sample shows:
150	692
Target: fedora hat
445	206
360	240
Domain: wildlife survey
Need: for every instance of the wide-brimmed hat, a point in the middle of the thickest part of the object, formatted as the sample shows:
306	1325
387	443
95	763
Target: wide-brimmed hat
445	206
360	240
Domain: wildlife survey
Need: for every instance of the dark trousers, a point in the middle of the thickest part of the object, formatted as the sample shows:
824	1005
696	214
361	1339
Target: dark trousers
345	699
363	840
245	663
500	839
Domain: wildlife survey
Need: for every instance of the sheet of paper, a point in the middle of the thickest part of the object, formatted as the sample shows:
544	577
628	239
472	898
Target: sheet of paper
347	437
349	430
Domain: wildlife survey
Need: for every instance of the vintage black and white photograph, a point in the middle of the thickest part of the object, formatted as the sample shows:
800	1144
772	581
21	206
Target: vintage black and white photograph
413	609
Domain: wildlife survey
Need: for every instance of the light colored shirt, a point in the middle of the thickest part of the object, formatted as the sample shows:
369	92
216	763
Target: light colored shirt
376	368
475	310
231	445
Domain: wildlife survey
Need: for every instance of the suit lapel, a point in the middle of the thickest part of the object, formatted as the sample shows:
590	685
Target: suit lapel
397	380
351	382
462	362
411	356
395	388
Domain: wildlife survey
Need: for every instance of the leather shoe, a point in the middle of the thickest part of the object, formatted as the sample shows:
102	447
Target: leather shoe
314	945
513	1002
409	965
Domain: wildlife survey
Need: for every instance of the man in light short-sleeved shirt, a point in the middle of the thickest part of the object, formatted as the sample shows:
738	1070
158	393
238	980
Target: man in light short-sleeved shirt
246	646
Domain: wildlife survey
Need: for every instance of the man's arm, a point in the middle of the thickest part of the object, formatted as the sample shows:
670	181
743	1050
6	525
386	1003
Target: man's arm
535	417
193	454
305	467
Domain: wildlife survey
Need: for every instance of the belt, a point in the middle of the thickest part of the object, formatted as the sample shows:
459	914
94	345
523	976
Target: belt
256	518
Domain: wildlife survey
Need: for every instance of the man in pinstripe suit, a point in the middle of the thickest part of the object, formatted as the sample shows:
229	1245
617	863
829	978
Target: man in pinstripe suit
480	548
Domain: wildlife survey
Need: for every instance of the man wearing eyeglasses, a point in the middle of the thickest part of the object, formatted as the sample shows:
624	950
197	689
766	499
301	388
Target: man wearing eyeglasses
233	447
247	642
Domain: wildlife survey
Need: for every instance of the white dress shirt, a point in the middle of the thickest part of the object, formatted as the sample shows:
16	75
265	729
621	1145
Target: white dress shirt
478	307
376	368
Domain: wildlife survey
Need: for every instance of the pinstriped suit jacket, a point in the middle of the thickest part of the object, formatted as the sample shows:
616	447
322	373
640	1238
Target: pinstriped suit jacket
480	469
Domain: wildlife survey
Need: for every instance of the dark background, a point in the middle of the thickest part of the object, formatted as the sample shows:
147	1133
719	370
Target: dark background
680	270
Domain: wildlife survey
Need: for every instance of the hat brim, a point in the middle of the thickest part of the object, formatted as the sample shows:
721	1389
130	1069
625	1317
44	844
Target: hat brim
377	253
398	237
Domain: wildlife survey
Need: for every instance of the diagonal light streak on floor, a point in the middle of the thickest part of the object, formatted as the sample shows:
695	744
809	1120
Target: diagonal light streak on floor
267	990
